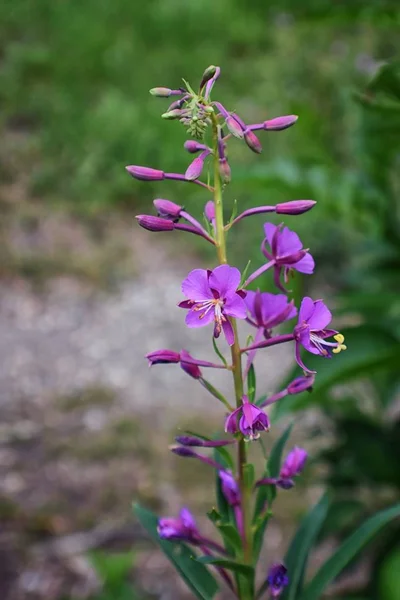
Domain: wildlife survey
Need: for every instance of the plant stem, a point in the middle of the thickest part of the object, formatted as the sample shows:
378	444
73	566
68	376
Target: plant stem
245	592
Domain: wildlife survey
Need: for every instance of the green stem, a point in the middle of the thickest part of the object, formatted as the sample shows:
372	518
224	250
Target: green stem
245	592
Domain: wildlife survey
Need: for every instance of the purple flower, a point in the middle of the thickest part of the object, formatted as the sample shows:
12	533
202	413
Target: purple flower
301	384
311	331
294	463
163	357
276	124
189	364
268	310
212	298
145	173
252	141
181	528
154	223
192	146
294	207
286	250
230	488
252	420
195	168
277	579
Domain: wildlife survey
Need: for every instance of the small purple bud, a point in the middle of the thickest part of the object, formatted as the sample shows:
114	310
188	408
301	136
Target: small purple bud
301	384
167	209
154	223
145	173
209	211
183	451
230	488
177	103
224	170
294	207
294	463
189	440
277	579
190	368
192	146
252	141
162	357
196	166
207	75
182	528
280	123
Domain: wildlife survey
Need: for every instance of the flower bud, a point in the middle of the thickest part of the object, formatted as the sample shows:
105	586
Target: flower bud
195	168
234	127
301	384
167	209
154	223
192	146
209	211
230	488
162	357
252	141
182	528
183	451
294	463
145	173
207	75
160	92
294	207
280	123
176	113
224	170
277	580
189	368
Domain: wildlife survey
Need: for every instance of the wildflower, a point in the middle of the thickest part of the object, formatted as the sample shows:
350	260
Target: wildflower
191	440
277	579
252	420
189	364
294	207
311	333
293	464
213	297
276	124
209	212
301	384
167	209
268	310
181	528
192	146
286	252
195	168
230	487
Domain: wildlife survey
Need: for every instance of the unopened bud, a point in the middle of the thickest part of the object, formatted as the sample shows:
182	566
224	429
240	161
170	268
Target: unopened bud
252	141
224	170
189	440
167	209
161	92
294	463
234	127
145	173
154	223
280	123
176	113
183	451
207	75
162	357
301	384
192	146
190	368
294	207
195	168
209	211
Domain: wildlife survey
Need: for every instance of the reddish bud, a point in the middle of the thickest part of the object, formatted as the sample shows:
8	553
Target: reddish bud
294	207
234	127
167	209
252	141
224	170
154	223
162	357
280	123
145	173
192	146
209	211
301	384
189	368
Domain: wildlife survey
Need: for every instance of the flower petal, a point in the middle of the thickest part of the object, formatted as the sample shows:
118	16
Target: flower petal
305	265
228	331
196	287
288	242
306	309
231	421
321	316
199	318
235	306
225	280
299	360
269	230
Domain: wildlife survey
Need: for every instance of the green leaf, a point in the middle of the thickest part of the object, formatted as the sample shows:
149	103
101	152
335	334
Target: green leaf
230	565
267	493
251	384
244	274
197	577
231	537
370	349
218	352
301	546
214	392
214	516
347	551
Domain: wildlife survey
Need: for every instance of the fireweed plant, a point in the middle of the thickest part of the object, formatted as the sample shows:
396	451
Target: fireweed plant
217	298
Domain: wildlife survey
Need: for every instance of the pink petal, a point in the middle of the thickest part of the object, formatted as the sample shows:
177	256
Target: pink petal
305	265
306	309
288	242
196	287
269	230
235	306
228	331
225	280
231	421
199	318
321	316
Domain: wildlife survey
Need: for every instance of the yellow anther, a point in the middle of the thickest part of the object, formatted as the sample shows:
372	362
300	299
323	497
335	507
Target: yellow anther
340	339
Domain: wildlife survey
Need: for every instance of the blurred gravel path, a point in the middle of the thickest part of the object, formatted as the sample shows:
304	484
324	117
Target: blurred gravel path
69	338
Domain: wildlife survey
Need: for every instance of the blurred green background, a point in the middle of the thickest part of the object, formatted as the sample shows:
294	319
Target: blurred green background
75	109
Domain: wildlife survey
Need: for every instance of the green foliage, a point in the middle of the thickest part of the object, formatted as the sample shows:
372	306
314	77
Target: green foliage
113	569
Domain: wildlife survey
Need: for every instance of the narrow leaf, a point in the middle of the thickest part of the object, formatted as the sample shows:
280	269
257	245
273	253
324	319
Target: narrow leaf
231	536
218	352
197	577
251	384
301	546
230	565
217	394
347	551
